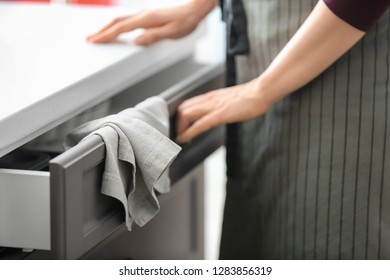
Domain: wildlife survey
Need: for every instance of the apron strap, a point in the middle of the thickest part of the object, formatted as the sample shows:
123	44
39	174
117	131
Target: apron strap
233	13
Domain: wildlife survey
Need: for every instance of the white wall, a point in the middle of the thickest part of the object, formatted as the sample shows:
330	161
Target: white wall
215	179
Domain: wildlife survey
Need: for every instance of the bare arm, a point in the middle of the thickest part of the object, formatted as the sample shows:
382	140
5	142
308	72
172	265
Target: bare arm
319	42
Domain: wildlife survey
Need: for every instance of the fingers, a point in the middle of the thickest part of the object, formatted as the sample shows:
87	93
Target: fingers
97	36
205	123
198	114
153	35
192	109
113	30
188	116
121	25
200	99
112	23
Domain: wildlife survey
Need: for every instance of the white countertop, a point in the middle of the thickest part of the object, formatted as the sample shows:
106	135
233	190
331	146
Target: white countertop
49	72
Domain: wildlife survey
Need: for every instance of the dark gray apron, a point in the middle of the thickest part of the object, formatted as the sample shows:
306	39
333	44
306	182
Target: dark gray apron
311	178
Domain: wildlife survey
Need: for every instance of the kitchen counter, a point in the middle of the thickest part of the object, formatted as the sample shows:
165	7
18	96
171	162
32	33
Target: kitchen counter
49	73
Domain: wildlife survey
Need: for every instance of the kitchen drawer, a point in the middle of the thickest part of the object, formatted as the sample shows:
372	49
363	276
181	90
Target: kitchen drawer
62	210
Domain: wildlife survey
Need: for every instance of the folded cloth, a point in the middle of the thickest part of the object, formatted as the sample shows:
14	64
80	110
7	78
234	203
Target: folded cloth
138	154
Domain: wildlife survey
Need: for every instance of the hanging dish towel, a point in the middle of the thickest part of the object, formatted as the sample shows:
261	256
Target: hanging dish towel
138	154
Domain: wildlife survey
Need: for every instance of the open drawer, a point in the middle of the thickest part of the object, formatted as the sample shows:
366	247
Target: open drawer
62	211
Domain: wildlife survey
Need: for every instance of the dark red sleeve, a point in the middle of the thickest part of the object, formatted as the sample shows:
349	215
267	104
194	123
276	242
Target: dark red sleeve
361	14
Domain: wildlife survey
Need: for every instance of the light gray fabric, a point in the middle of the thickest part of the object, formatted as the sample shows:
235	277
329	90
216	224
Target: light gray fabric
138	153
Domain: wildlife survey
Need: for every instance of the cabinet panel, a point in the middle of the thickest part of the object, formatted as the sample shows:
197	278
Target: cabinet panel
176	232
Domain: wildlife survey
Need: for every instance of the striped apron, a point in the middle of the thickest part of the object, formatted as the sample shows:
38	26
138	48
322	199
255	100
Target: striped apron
311	178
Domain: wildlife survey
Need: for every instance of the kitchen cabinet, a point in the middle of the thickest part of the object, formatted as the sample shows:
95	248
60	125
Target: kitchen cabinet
60	213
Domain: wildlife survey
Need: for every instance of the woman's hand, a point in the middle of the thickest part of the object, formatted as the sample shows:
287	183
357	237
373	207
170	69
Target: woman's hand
227	105
168	23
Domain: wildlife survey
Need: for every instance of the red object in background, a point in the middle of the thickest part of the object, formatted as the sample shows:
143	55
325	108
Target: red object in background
82	2
40	1
94	2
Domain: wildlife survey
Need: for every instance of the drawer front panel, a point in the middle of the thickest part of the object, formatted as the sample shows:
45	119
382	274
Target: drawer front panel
80	215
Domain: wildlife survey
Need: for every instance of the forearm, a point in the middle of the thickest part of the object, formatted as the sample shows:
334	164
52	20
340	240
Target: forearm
320	41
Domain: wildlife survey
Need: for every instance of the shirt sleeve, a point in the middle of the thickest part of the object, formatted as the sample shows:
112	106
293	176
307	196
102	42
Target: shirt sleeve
361	14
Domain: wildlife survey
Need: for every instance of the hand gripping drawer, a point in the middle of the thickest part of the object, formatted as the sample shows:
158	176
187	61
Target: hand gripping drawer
62	211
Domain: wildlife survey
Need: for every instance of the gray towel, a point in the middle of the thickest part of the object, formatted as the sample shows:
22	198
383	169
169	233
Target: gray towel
138	153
